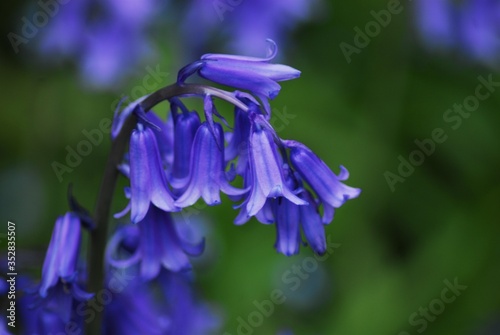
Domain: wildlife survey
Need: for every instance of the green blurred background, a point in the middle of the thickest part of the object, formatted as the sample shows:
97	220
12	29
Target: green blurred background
396	247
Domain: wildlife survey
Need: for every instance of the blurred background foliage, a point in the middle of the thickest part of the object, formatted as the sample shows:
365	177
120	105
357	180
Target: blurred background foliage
396	248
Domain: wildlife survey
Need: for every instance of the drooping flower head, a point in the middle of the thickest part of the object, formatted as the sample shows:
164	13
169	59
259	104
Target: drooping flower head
276	173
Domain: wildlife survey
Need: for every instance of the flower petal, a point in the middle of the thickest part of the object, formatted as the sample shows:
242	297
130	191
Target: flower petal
324	182
140	174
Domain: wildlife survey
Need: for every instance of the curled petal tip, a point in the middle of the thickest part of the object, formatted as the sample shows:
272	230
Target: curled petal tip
272	50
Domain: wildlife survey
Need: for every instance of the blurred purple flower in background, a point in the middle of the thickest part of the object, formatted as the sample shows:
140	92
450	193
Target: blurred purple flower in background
188	315
244	25
470	26
167	305
435	22
480	25
134	311
106	38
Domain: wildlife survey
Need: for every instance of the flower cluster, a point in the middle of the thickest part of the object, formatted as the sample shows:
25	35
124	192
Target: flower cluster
129	302
471	26
171	164
284	182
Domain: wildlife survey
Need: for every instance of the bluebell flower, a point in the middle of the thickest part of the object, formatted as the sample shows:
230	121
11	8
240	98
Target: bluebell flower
265	171
277	174
328	186
148	183
207	177
256	75
59	286
289	218
156	244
